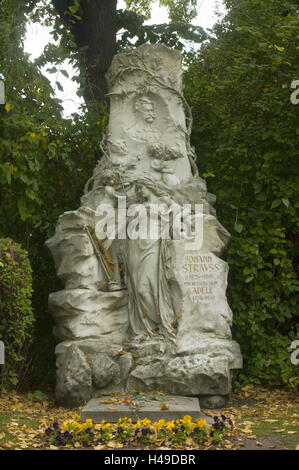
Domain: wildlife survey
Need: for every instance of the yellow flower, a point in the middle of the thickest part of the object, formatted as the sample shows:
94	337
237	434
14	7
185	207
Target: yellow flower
187	419
76	417
201	422
146	422
89	422
170	425
124	421
159	425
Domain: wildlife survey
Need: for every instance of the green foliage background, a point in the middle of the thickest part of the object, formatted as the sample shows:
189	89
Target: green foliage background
45	160
16	316
246	136
245	133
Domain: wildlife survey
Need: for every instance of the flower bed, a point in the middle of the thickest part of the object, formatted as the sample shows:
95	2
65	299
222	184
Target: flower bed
182	432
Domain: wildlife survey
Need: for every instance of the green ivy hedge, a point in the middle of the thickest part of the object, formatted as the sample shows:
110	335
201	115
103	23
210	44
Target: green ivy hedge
246	136
16	317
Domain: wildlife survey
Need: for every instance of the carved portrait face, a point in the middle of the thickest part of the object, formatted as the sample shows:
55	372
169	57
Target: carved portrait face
145	109
143	192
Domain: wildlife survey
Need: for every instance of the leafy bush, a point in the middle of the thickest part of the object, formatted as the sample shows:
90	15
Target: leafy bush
16	317
239	86
45	161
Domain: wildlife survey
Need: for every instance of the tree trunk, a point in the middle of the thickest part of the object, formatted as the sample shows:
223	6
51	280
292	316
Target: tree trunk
97	31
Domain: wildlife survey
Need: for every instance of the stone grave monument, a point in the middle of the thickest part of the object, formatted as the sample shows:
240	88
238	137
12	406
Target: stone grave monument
144	301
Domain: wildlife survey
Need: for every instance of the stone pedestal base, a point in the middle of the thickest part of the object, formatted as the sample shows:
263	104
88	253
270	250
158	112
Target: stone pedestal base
89	366
188	375
176	408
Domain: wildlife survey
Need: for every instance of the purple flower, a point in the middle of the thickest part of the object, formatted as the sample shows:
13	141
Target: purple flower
60	440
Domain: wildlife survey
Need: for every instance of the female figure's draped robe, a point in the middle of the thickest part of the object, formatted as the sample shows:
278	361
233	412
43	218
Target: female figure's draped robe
150	305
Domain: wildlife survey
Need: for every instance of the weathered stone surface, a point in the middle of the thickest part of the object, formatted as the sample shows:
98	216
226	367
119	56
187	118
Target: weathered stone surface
110	365
192	375
76	262
199	375
73	253
215	236
178	407
148	377
104	371
125	365
213	347
74	384
85	313
151	350
90	346
213	402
